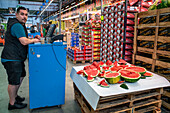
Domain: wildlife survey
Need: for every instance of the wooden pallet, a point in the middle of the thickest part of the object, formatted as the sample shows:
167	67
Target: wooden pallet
165	103
79	61
138	102
154	52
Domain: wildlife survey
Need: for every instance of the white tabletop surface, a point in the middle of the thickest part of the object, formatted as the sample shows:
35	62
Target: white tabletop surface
92	92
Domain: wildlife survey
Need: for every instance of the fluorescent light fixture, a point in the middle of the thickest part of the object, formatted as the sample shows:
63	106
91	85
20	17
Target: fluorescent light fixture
45	8
70	8
67	7
73	3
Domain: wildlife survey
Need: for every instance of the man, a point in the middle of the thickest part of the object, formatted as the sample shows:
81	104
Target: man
56	31
2	31
47	28
14	54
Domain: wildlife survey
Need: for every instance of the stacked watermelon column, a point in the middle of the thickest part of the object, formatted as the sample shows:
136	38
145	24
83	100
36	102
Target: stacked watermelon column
129	36
112	33
86	35
96	32
117	31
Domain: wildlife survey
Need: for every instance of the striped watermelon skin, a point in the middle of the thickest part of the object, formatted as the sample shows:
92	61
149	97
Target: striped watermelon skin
147	74
137	69
112	78
130	76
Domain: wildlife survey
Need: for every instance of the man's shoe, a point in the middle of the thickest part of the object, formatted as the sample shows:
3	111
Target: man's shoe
16	106
19	99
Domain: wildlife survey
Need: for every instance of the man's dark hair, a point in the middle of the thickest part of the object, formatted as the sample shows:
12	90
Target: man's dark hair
21	8
50	22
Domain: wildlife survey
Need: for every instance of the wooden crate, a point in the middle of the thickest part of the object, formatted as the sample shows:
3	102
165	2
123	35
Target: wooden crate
155	53
166	94
79	61
154	61
137	102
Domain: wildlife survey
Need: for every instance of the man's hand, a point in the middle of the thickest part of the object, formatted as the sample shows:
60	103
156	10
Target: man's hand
36	40
26	41
37	37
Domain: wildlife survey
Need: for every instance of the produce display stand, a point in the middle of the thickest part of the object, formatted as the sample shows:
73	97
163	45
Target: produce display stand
142	96
138	102
154	52
82	55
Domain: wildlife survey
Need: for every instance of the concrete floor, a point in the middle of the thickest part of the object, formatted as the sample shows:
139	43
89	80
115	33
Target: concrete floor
70	105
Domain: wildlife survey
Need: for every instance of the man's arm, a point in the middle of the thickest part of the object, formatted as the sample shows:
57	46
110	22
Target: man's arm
26	41
17	30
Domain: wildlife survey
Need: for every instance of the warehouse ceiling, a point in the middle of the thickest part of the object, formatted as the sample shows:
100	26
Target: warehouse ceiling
8	7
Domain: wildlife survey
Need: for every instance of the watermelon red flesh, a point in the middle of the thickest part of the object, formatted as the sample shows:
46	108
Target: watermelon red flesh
115	68
86	68
101	74
80	72
124	72
101	82
95	64
112	75
106	67
104	84
147	74
92	67
121	61
129	75
101	63
90	79
112	78
140	70
123	66
115	63
91	72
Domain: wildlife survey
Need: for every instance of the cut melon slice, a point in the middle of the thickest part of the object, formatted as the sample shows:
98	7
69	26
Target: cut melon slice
112	78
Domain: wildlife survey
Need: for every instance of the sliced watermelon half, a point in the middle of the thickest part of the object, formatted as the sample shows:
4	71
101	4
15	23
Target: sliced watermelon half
101	74
90	79
104	84
116	68
129	75
112	78
106	68
101	82
92	67
101	63
122	62
86	68
137	69
115	63
95	64
91	72
147	74
123	66
80	72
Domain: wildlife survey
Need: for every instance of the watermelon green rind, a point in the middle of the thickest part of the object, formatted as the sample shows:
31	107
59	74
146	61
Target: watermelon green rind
90	80
147	74
105	86
112	80
127	79
142	72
